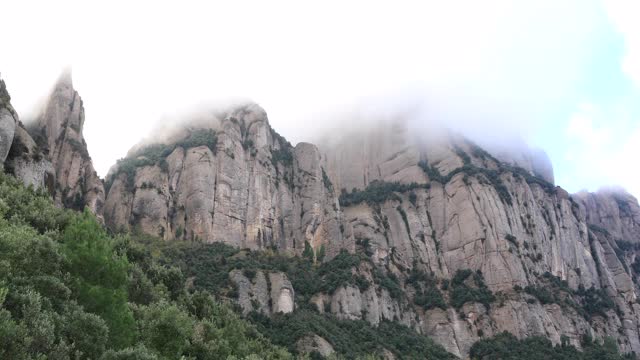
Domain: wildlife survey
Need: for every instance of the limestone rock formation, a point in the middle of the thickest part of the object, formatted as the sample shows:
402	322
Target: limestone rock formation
58	132
316	343
236	182
469	210
459	243
19	154
267	293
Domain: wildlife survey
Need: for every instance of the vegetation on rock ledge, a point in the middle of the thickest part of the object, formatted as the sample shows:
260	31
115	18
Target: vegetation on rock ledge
505	346
156	154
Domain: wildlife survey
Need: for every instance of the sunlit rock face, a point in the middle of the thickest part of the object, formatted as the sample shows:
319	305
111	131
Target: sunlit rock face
58	133
436	204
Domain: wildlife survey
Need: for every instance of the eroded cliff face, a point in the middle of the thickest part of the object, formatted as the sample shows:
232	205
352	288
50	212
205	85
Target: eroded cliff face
58	133
471	244
8	121
236	182
469	210
19	154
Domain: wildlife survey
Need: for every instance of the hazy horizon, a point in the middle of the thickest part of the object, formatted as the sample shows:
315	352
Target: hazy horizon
565	77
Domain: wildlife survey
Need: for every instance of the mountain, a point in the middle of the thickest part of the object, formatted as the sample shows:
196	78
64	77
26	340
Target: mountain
387	232
423	209
58	133
236	181
51	151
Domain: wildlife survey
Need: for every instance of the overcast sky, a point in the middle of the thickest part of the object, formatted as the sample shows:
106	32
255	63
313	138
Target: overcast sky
563	73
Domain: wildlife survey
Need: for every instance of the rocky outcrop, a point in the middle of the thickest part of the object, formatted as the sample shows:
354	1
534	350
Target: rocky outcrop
613	210
469	210
58	132
265	292
314	343
19	154
27	162
235	181
423	209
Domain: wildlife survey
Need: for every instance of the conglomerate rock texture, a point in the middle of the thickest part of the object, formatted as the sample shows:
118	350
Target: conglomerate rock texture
19	154
421	207
450	206
51	152
248	188
58	132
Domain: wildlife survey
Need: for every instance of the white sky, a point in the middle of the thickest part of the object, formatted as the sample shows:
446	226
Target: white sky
488	65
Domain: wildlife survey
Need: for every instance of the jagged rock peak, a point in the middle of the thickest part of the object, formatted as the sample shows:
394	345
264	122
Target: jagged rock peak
226	177
474	241
58	131
19	154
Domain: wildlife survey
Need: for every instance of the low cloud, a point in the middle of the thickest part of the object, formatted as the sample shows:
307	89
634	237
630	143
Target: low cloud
494	69
601	151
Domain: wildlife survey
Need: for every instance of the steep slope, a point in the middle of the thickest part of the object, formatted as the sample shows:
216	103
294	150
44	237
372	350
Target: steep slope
235	180
19	154
527	238
439	234
58	133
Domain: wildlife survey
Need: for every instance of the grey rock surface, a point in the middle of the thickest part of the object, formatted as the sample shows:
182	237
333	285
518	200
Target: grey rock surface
499	216
58	132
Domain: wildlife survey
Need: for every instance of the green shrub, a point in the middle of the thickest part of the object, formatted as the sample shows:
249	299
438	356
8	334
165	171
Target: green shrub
350	339
308	251
413	198
461	292
376	193
505	346
68	288
326	181
156	154
427	293
282	156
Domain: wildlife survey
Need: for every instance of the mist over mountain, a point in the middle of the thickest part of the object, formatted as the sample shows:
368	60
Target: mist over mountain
284	180
397	220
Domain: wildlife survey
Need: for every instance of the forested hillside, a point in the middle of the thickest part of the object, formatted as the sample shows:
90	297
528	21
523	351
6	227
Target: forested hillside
70	290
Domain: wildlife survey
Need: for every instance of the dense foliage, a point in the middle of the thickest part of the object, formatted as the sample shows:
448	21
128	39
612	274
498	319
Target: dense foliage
349	338
483	174
587	302
68	290
505	346
210	264
464	290
377	192
428	294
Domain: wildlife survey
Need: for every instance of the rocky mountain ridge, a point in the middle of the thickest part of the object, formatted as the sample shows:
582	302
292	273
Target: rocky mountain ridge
429	231
435	208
